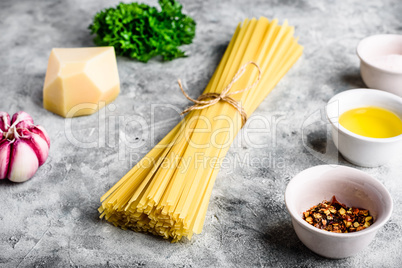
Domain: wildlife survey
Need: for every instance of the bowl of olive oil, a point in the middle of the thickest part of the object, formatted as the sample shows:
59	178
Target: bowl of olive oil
366	125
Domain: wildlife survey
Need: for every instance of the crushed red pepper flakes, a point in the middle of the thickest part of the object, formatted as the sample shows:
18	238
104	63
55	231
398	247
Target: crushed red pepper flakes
337	217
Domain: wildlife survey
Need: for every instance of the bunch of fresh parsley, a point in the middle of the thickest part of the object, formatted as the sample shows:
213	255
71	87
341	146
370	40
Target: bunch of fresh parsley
142	32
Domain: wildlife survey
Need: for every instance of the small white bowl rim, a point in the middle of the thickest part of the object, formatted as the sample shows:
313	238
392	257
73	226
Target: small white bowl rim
338	126
359	46
373	228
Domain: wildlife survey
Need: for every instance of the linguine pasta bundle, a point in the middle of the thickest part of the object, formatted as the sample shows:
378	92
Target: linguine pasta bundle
168	191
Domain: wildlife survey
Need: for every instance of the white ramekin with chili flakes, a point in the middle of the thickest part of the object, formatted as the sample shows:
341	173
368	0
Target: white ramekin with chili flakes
354	188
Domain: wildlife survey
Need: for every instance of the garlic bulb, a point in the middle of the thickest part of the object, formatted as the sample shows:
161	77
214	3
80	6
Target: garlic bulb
23	146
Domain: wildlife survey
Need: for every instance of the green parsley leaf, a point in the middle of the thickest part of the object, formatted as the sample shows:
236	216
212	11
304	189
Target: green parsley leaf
141	32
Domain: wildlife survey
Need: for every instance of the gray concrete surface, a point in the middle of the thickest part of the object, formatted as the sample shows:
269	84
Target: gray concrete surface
52	220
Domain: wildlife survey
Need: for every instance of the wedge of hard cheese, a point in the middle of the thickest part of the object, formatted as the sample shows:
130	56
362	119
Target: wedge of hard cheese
80	81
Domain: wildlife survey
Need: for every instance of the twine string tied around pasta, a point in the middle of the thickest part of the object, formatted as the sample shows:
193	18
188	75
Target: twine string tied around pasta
209	99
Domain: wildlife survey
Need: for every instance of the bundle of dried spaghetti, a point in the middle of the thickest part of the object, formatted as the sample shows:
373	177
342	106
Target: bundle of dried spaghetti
168	191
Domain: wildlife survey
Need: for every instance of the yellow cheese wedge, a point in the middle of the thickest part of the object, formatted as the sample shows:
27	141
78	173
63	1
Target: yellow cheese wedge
80	81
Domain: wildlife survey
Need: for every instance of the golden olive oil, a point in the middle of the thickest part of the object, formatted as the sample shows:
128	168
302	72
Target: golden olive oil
373	122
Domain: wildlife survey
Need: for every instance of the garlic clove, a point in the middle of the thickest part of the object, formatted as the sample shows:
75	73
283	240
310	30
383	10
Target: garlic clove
21	119
41	132
4	157
23	162
4	122
37	143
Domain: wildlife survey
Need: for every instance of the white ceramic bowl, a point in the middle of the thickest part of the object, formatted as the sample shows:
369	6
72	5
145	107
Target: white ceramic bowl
357	149
351	187
381	74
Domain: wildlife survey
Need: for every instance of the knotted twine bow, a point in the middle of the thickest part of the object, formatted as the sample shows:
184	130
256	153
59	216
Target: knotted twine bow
202	102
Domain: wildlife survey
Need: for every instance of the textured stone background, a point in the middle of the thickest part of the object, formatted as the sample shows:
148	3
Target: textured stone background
52	220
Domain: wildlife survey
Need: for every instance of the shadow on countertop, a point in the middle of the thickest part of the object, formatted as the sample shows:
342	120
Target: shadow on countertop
353	78
288	246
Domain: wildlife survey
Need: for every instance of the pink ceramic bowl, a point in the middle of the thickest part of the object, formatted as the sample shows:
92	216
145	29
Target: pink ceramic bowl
351	187
381	62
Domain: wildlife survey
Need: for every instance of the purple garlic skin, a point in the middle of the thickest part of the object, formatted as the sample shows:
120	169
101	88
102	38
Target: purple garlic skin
24	147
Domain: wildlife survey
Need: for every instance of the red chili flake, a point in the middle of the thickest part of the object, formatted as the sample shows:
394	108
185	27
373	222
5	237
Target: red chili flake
337	217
